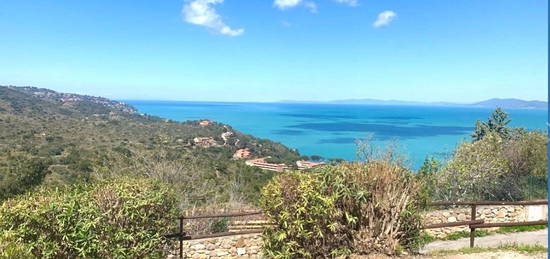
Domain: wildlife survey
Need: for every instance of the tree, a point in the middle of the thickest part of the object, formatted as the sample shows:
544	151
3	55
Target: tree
480	131
496	123
20	174
495	168
475	171
428	174
316	158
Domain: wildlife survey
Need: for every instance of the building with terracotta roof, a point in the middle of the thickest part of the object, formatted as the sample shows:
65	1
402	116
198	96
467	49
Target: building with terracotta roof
261	163
302	164
242	153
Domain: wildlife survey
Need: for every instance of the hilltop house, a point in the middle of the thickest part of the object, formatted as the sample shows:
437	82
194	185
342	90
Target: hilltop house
242	153
205	142
204	123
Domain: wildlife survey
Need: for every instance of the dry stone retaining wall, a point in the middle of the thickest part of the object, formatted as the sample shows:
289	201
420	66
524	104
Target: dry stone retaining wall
249	245
491	214
241	246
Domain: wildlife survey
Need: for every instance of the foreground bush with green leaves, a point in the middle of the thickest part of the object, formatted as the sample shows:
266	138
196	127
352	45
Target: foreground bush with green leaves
360	208
118	218
500	163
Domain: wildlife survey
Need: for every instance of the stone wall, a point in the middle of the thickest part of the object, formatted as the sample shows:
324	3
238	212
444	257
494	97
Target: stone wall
240	246
249	245
491	214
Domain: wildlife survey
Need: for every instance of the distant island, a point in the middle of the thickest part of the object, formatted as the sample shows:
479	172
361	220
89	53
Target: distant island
508	103
512	103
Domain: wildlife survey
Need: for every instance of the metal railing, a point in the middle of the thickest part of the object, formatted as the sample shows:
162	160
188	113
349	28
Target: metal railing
181	235
473	223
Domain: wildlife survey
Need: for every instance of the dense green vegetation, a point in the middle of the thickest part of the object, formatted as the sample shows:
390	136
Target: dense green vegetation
118	218
500	163
85	176
53	139
362	208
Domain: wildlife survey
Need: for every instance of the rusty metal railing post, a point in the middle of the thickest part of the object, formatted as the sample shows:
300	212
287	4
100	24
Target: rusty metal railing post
181	237
472	229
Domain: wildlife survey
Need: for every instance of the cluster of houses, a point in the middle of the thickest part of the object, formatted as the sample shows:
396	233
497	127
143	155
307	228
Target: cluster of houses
71	98
245	153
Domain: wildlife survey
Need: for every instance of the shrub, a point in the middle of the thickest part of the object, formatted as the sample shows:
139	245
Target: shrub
220	225
13	249
500	163
119	218
337	210
20	174
494	168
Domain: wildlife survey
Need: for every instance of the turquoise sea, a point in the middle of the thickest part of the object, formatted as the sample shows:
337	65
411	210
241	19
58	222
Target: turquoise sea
330	130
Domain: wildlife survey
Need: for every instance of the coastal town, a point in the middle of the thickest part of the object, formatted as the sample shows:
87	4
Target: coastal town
245	153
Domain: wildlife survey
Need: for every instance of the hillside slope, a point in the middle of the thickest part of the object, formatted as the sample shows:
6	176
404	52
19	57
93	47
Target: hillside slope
79	138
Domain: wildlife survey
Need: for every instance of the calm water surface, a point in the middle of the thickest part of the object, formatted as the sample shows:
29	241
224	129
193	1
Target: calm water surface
331	130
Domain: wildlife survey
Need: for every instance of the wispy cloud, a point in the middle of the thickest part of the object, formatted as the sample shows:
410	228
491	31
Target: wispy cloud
287	4
384	19
311	6
352	3
286	23
201	12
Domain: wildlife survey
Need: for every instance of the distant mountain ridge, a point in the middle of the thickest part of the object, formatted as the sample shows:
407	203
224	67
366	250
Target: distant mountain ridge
510	103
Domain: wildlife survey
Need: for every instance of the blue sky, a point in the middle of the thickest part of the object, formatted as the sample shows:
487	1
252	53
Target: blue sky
269	50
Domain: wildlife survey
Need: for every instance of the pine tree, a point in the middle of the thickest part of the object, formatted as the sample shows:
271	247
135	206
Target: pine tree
480	131
496	123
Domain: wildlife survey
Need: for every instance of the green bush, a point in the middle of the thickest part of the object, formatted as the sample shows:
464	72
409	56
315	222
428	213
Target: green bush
500	163
337	210
20	174
220	225
118	218
10	249
494	168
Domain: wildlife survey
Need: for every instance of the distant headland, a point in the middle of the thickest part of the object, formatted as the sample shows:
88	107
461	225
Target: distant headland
507	103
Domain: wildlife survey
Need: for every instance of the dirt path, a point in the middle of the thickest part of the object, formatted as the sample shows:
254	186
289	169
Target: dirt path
483	255
493	255
527	238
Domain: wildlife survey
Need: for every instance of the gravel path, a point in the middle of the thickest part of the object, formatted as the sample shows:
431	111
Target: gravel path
539	237
484	255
